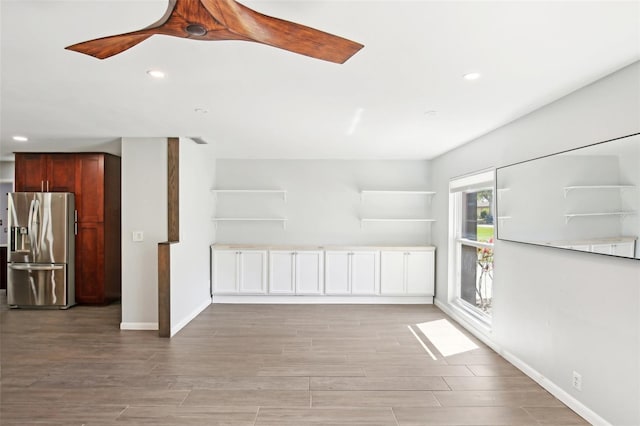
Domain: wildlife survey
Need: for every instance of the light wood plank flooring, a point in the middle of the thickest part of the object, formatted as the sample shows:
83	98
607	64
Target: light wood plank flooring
249	365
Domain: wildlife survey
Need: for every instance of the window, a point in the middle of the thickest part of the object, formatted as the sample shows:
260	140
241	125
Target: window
471	241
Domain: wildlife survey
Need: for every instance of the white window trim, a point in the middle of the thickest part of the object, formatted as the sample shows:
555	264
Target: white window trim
458	185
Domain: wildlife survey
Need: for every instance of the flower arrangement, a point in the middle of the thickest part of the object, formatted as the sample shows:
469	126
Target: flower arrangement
485	257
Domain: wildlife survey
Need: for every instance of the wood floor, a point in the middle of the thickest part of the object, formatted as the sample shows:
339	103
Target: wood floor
284	365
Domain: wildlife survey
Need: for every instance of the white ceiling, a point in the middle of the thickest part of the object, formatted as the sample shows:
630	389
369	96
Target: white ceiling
264	102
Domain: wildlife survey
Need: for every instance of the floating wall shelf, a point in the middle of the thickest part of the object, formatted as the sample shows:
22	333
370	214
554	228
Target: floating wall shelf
567	189
372	219
252	219
568	217
393	192
251	191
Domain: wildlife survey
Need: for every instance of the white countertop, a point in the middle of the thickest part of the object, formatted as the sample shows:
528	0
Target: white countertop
606	240
329	248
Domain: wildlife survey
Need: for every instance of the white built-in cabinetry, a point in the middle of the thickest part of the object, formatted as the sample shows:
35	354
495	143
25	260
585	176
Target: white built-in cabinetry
406	273
392	272
239	271
352	272
618	246
296	272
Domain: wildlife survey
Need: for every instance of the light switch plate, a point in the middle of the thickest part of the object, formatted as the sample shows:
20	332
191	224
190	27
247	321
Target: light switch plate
137	236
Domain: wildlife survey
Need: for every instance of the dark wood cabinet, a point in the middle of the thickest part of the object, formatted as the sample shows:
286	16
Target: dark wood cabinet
98	243
61	175
95	180
31	172
3	268
90	189
45	172
90	263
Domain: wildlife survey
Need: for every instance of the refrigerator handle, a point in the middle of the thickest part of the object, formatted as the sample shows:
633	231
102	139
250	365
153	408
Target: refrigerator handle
34	210
32	267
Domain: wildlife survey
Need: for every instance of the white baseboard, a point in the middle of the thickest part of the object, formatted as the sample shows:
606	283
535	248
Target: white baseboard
370	300
138	326
555	390
180	325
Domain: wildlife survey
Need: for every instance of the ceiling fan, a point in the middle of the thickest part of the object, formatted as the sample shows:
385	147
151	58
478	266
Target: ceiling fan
227	20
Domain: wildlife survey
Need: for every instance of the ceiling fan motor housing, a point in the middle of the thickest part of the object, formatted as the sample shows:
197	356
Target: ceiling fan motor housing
196	30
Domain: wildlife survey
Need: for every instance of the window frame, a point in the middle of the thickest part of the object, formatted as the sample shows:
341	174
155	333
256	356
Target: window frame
476	181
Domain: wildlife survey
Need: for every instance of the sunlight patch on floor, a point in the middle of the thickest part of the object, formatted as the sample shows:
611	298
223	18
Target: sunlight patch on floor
422	343
446	338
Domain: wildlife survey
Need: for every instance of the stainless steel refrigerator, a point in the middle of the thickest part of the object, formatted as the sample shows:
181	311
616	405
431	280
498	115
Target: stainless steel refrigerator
41	254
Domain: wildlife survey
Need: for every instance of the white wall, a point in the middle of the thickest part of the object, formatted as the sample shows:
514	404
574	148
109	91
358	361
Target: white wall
144	208
7	171
323	204
190	286
5	188
558	311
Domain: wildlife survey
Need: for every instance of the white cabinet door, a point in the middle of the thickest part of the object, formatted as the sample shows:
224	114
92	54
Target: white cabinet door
392	278
336	272
602	248
624	249
364	272
419	272
225	271
253	268
308	272
281	272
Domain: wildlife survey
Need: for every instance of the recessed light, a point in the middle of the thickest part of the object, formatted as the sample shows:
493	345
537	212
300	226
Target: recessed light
156	73
471	76
430	113
19	138
201	110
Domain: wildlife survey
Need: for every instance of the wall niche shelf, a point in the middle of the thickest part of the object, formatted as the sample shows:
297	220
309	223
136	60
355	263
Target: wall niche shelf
393	192
568	217
252	219
283	192
568	189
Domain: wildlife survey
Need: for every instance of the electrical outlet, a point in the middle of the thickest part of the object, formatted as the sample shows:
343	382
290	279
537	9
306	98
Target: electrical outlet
137	236
577	380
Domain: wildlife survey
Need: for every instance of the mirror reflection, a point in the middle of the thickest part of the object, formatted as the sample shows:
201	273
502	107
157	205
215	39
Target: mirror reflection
586	199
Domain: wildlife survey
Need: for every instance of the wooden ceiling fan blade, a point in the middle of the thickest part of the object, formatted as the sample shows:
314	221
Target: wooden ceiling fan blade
105	47
283	34
305	40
